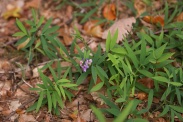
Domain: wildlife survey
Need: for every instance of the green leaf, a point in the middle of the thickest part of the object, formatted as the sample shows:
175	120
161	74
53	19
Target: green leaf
48	23
147	38
68	85
165	111
63	81
124	114
150	99
86	17
40	21
143	52
108	102
176	108
113	111
66	72
54	100
35	89
120	100
19	34
53	73
114	40
82	78
163	79
146	73
131	54
98	114
41	95
158	52
94	74
119	50
178	95
108	41
164	57
57	90
62	92
59	100
51	30
34	14
21	26
49	101
97	87
101	71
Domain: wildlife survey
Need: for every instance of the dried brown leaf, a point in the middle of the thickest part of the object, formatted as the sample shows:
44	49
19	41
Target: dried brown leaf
92	29
141	96
15	12
124	27
140	6
148	82
109	11
26	118
33	4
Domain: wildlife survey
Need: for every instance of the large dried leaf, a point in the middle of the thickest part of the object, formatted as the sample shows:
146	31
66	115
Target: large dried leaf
15	12
124	27
92	29
140	6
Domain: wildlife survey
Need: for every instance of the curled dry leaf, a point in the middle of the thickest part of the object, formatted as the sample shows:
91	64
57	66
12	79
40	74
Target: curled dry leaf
141	96
14	12
148	82
140	6
124	27
92	29
109	11
154	20
22	45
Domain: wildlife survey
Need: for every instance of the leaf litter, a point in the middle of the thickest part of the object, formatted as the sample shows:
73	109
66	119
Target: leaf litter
14	93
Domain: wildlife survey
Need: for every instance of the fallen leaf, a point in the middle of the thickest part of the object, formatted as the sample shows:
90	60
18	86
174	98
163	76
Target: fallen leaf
5	65
87	115
148	82
20	111
92	29
65	33
93	46
141	96
14	105
179	18
124	27
109	11
140	6
15	12
154	20
26	118
5	87
33	4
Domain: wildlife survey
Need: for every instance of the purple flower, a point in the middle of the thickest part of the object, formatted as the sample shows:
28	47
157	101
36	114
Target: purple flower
85	65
